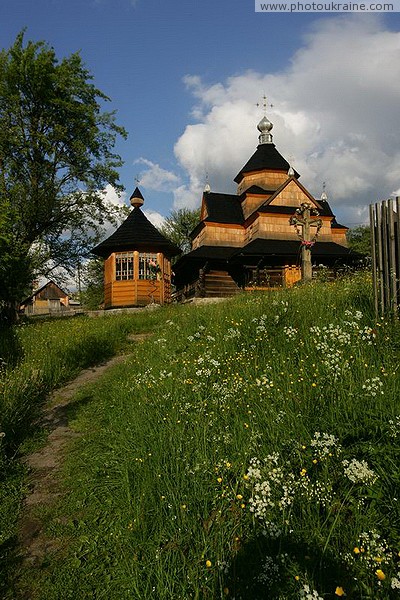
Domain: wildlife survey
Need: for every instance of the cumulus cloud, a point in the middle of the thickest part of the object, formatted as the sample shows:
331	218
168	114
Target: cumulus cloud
155	217
335	113
113	197
155	177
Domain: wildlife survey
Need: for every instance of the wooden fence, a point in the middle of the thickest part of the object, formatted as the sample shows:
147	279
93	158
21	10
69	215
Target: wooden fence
385	242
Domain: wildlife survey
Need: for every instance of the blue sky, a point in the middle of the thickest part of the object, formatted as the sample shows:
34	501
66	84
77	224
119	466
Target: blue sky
185	76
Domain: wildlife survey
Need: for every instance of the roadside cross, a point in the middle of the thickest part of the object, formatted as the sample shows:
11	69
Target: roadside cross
302	221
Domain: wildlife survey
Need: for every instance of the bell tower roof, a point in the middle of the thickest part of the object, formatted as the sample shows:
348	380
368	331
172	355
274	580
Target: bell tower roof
136	233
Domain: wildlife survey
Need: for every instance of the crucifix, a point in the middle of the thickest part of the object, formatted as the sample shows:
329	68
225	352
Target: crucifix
265	105
302	221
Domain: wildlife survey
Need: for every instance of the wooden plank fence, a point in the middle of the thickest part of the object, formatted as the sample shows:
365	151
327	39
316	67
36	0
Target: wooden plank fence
385	246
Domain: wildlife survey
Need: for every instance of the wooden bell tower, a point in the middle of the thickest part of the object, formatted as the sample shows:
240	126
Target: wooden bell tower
137	265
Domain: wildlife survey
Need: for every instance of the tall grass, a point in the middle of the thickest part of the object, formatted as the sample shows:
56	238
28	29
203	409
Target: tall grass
247	451
36	358
46	354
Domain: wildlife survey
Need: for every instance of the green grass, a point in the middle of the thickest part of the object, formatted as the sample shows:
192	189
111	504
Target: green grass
36	358
212	464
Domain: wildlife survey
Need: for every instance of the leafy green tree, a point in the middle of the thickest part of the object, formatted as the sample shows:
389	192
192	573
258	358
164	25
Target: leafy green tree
92	295
178	226
359	239
56	159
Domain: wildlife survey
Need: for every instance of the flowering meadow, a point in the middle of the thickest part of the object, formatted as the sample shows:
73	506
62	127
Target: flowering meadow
247	450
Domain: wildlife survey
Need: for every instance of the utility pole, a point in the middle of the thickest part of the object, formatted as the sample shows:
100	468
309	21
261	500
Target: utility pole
302	221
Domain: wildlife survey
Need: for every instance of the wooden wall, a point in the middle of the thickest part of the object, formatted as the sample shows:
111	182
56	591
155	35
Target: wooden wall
339	237
270	180
251	203
275	226
136	292
266	226
214	234
292	195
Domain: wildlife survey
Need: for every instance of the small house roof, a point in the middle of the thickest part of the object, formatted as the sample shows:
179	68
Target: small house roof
48	291
136	232
265	157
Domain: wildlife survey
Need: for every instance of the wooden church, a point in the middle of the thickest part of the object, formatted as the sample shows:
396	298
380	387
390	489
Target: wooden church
245	240
137	265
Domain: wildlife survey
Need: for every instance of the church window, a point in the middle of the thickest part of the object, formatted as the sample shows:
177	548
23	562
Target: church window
124	266
148	266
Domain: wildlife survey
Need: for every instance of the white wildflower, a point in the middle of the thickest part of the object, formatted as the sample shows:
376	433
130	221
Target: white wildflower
358	471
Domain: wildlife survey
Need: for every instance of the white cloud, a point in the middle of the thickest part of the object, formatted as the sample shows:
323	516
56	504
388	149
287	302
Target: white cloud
335	111
155	177
154	217
113	197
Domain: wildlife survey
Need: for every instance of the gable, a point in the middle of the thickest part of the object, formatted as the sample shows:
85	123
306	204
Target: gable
293	194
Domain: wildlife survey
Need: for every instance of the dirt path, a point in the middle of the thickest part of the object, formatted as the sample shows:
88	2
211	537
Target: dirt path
45	463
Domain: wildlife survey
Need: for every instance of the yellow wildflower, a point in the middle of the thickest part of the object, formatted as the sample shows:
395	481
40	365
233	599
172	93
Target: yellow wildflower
303	472
219	479
380	574
208	564
339	591
356	550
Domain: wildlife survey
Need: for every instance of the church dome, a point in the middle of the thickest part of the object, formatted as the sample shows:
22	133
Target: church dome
264	125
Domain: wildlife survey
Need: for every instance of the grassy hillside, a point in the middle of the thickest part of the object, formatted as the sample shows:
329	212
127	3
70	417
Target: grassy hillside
34	359
248	450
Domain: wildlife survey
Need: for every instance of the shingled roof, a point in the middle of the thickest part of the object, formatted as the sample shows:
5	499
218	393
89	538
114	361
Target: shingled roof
269	247
223	208
265	157
136	233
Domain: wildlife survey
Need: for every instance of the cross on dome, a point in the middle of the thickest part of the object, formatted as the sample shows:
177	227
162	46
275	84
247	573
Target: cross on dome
265	125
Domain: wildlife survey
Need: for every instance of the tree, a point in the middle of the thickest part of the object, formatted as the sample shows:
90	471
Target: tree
359	239
178	226
92	297
56	159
